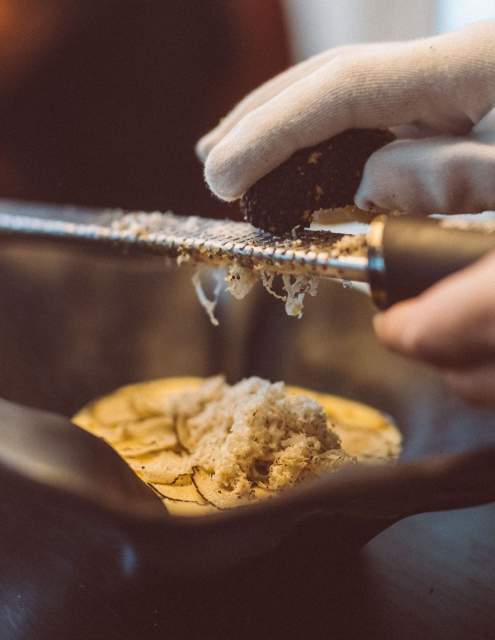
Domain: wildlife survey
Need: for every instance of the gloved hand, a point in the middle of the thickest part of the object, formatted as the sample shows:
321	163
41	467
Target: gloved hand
452	326
437	87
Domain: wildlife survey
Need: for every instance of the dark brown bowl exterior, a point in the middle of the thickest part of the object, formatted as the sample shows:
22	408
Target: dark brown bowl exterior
73	513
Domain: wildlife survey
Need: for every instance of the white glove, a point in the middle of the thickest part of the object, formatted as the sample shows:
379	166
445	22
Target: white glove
439	87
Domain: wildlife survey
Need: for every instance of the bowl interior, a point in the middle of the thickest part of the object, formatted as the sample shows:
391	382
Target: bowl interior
78	326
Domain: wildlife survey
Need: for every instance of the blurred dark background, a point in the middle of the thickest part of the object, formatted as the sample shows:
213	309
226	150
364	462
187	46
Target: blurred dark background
102	103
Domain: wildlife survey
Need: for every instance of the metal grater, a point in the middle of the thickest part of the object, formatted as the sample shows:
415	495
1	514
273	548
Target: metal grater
399	257
215	242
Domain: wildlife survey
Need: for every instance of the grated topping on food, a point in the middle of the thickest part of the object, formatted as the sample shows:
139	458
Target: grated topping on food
249	435
201	444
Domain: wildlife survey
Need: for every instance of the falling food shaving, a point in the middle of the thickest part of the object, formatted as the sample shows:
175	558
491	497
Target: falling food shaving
183	258
267	282
239	279
297	287
208	305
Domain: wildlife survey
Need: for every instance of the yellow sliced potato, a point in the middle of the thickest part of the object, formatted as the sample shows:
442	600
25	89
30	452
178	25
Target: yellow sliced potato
131	420
182	499
162	467
182	493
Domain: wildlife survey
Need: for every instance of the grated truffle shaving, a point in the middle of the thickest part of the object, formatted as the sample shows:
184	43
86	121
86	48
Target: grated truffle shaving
297	287
250	435
240	280
208	305
267	280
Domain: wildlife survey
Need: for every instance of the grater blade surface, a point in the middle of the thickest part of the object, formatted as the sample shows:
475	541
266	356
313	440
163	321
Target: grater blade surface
211	241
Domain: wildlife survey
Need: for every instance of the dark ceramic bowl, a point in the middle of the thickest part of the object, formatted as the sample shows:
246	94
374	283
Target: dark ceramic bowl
80	533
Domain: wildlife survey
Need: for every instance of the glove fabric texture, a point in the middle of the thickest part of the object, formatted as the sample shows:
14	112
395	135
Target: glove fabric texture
434	93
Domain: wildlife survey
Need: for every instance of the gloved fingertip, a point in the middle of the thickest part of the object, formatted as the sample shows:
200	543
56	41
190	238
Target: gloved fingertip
203	146
363	198
222	176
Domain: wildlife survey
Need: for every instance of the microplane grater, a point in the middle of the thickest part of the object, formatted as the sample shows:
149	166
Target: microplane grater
203	240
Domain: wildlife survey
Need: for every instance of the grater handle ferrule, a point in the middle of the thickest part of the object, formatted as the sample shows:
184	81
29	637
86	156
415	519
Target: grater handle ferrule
407	255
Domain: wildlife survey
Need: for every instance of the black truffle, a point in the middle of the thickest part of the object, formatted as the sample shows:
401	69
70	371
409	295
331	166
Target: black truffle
324	176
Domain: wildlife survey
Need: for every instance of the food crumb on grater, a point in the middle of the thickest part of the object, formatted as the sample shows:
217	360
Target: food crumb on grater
194	247
349	246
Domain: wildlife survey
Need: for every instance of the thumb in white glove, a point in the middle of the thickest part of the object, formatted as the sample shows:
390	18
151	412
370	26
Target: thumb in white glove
444	85
442	174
